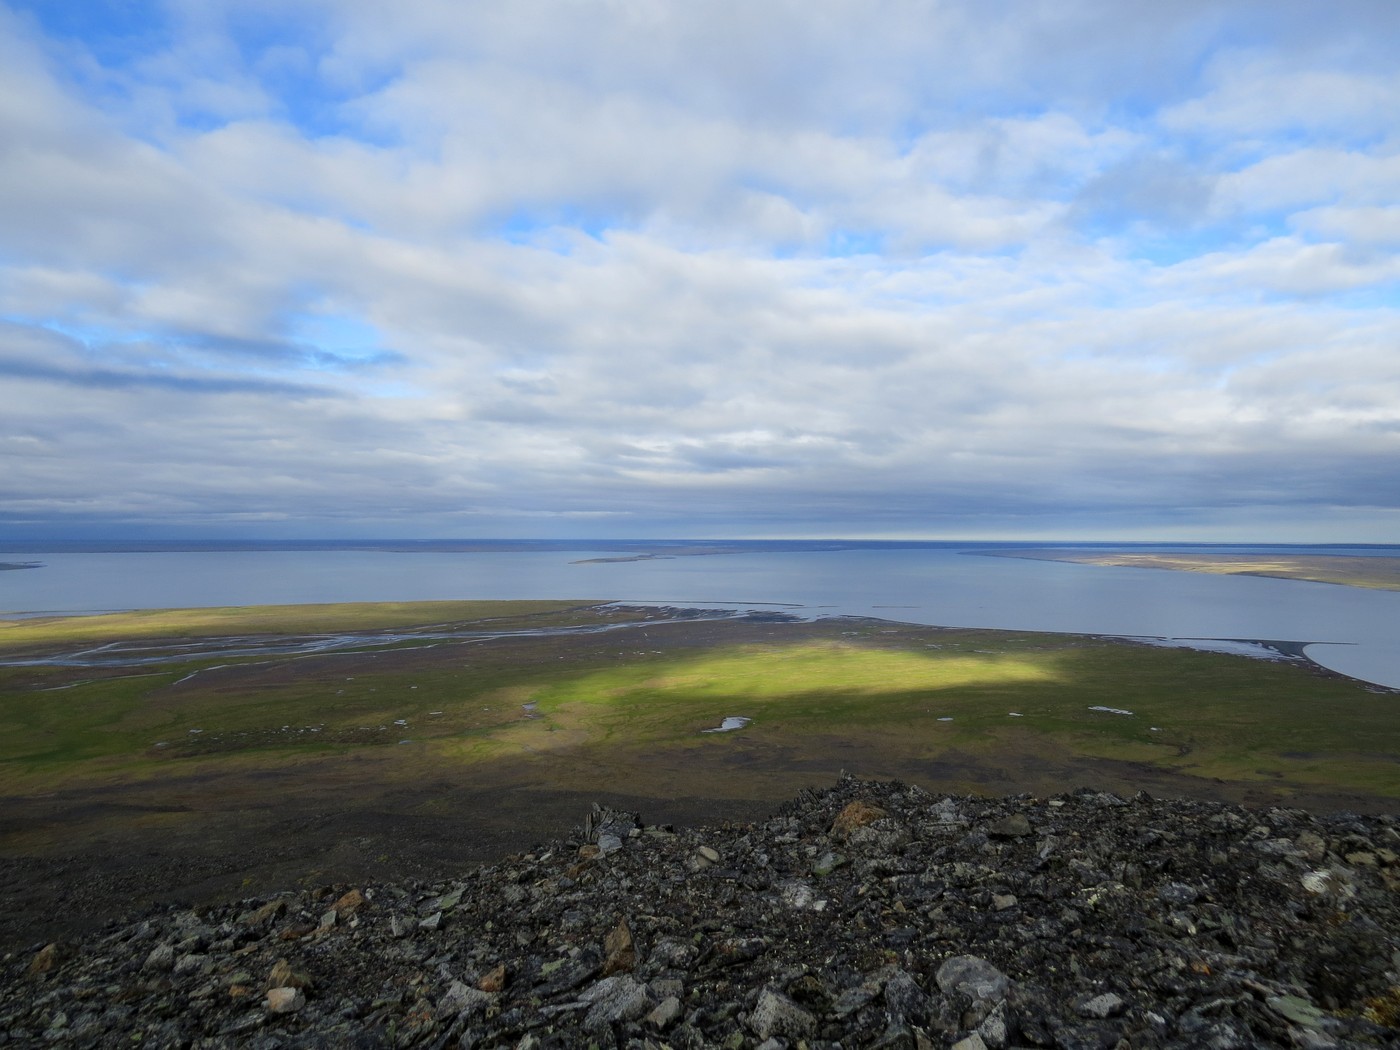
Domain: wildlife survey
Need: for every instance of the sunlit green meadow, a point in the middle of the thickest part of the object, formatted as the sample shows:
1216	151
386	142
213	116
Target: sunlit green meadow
619	705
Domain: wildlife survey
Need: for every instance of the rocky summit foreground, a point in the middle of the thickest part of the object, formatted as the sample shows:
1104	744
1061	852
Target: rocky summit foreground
868	915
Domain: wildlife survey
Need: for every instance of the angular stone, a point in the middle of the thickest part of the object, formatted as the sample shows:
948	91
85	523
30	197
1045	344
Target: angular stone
160	960
1104	1006
905	1000
777	1015
269	911
852	999
45	959
621	951
1312	845
879	836
193	963
1297	1010
284	1000
570	973
667	1013
432	922
618	998
995	1029
348	904
973	977
462	999
283	975
1177	893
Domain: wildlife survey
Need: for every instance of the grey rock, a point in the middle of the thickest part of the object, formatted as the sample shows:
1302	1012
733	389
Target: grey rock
666	1013
905	1000
1297	1010
1108	1004
571	973
161	959
879	836
618	998
285	1000
193	964
1011	826
462	1000
1177	893
973	977
995	1030
777	1015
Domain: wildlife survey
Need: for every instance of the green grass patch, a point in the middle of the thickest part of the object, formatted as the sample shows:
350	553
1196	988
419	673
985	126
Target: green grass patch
900	698
268	619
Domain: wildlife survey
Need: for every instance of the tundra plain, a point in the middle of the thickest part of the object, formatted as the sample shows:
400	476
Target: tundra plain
200	754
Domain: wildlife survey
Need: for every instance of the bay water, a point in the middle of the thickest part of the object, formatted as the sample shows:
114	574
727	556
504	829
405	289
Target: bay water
1351	630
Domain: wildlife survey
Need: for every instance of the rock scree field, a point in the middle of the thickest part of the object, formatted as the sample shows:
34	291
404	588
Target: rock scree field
203	755
871	914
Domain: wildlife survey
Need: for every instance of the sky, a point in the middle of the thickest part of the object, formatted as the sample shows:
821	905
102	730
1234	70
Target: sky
1086	269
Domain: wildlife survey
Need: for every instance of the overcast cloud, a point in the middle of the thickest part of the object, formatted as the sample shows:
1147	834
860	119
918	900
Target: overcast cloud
967	268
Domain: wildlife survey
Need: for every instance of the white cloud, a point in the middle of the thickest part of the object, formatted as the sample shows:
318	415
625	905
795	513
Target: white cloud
1254	96
805	261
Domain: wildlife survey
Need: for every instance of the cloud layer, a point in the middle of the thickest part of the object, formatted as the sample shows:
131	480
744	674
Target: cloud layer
335	267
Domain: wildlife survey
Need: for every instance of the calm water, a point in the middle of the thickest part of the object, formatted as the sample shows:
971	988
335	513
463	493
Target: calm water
1360	628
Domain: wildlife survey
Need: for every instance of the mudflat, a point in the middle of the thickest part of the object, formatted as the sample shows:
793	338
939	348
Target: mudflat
1379	573
220	754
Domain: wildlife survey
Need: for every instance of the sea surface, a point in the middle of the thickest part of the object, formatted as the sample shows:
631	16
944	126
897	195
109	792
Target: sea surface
1351	630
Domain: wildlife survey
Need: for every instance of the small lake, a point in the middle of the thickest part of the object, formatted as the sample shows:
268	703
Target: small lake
1357	631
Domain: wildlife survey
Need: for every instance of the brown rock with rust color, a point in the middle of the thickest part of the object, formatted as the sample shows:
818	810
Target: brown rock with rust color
348	904
856	814
45	959
495	981
622	952
283	976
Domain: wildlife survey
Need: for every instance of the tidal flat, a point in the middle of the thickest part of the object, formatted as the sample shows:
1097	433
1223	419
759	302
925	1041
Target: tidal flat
194	755
1376	573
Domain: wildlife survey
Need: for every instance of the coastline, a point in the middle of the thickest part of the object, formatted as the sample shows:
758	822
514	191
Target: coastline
1373	573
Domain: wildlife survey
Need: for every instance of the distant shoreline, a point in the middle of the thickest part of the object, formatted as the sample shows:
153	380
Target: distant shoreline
1375	573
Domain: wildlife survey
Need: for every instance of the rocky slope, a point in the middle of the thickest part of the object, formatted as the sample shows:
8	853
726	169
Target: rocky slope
869	915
